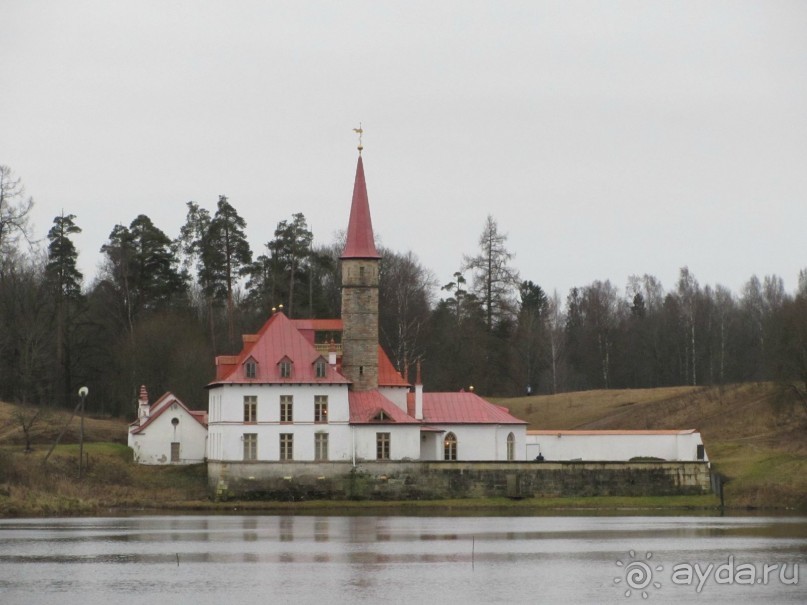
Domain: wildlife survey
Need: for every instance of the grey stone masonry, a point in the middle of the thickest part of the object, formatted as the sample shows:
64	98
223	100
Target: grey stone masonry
370	480
360	322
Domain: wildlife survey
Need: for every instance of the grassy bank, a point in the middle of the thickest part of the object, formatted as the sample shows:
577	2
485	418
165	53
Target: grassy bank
754	435
112	484
29	486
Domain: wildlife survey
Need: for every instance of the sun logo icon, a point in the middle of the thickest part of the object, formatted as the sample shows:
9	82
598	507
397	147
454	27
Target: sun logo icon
638	574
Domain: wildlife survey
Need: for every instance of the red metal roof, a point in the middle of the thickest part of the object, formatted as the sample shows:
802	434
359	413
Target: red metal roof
388	376
461	408
276	340
161	405
366	405
360	242
615	432
318	325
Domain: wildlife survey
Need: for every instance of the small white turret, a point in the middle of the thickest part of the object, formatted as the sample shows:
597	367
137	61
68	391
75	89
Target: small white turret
143	405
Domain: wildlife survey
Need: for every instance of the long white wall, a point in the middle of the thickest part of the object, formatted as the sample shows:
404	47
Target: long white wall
480	442
614	447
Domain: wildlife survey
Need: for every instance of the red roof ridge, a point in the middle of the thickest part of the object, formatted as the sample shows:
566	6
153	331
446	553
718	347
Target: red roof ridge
278	339
158	408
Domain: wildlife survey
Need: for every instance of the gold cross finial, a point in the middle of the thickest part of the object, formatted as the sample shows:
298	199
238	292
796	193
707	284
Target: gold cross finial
359	131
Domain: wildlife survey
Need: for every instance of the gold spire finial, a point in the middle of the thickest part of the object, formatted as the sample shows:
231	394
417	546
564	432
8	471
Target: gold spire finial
359	131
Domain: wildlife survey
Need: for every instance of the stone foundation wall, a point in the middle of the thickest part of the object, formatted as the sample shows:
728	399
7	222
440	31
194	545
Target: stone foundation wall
435	480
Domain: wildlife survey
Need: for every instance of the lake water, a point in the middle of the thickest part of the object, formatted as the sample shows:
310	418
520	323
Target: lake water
231	560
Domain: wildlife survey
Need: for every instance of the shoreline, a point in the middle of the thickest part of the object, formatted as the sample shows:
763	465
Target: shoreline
591	506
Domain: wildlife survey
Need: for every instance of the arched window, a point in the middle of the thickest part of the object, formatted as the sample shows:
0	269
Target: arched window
450	447
511	447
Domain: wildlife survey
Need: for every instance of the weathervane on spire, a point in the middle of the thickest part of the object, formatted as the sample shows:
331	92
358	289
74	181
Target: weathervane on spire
359	131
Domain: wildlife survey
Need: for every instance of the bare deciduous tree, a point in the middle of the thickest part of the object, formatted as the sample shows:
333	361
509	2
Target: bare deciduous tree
495	281
14	208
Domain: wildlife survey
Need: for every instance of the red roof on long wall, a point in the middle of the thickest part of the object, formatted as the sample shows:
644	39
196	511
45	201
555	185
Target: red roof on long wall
460	408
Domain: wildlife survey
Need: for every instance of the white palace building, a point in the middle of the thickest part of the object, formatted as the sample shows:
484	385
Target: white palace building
323	390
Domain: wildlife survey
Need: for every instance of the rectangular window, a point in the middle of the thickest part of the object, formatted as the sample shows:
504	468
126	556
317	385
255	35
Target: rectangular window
320	446
174	451
250	408
321	408
250	446
286	446
382	446
320	365
251	369
285	369
286	408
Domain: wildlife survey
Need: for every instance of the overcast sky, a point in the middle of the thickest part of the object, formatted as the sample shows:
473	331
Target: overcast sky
606	138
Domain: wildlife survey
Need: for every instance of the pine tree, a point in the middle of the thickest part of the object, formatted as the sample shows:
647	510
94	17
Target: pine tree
225	256
64	281
292	247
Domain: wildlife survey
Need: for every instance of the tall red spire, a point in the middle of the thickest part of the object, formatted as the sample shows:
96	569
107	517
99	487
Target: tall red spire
360	242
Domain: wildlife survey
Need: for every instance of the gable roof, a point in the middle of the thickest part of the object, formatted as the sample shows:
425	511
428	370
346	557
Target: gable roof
360	242
365	406
278	339
159	407
388	376
461	408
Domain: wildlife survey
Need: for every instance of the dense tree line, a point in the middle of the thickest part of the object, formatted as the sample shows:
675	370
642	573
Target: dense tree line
162	307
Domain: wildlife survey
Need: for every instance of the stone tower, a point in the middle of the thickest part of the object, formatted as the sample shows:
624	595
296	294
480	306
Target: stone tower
360	265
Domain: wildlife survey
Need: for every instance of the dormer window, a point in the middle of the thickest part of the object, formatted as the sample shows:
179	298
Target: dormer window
320	368
285	368
251	368
382	416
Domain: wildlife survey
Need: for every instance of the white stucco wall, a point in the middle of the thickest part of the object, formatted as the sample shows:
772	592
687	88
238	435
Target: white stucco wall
227	426
153	445
396	395
479	441
614	447
404	441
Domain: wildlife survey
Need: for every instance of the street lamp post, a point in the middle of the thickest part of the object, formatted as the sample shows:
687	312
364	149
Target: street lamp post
82	392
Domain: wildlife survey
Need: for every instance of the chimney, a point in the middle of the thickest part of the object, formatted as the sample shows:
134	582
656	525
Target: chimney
418	395
332	353
143	405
